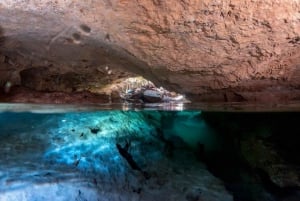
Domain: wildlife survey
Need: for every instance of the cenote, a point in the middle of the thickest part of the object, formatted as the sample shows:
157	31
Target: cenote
121	100
117	154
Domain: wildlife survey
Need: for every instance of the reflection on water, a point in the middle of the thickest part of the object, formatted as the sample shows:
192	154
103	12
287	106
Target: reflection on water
209	107
89	154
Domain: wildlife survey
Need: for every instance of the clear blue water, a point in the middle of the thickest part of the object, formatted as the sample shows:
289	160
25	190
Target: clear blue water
83	153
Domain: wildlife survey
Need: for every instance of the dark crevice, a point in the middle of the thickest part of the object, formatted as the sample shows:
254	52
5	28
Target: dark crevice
128	157
245	180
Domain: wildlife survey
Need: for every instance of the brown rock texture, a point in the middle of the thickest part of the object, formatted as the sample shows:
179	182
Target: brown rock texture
226	50
26	95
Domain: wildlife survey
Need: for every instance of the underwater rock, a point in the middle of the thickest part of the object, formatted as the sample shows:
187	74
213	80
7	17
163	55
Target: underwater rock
94	130
258	153
59	191
262	155
124	153
174	179
194	195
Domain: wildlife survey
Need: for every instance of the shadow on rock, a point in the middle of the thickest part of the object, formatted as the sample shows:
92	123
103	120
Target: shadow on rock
2	38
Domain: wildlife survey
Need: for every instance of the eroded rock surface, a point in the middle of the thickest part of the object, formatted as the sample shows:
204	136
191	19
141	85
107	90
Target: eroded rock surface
71	161
226	50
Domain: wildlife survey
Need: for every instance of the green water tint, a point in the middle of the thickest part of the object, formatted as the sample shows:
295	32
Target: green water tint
167	155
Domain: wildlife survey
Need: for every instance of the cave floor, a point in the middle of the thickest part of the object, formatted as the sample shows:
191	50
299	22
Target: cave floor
73	156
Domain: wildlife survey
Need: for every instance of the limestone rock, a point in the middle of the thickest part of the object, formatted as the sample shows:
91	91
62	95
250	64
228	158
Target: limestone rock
203	48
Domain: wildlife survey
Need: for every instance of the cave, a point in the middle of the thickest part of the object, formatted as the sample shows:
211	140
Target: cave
68	134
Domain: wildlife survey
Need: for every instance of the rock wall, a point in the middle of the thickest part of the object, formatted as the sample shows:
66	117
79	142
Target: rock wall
227	50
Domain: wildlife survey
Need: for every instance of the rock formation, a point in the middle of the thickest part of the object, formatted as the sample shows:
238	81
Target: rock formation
224	50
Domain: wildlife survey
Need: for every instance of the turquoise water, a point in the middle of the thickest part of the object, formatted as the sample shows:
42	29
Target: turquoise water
58	153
